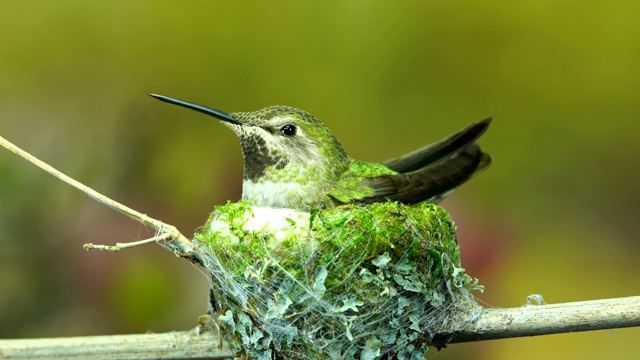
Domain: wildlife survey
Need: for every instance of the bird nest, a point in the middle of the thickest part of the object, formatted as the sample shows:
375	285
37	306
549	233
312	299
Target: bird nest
352	282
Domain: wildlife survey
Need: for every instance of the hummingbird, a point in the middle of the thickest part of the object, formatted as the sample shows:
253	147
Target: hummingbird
292	160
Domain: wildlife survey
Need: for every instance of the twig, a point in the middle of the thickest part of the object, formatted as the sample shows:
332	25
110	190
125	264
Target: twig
122	246
176	242
528	320
173	345
533	320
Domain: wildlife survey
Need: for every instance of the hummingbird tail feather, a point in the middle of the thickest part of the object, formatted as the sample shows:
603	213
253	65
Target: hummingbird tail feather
437	151
433	182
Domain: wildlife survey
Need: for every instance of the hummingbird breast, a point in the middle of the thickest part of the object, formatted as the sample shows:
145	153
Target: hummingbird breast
287	181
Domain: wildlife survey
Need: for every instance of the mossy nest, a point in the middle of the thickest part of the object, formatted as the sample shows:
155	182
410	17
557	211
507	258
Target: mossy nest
352	282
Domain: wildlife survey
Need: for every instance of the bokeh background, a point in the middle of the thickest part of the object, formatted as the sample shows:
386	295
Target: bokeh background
556	214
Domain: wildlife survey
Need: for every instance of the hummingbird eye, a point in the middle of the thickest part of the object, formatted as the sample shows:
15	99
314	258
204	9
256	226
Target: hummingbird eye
288	130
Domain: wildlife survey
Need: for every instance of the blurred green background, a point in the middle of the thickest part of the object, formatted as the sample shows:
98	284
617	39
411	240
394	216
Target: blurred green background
556	214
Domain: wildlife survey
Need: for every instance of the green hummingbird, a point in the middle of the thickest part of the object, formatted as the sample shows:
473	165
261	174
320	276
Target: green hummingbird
292	160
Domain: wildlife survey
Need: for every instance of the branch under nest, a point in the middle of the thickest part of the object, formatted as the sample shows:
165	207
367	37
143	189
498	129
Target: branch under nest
528	320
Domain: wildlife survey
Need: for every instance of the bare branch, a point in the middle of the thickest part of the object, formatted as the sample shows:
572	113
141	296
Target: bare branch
179	244
528	320
173	345
532	320
122	246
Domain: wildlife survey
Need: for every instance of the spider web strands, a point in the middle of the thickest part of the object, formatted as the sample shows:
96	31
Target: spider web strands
359	282
528	320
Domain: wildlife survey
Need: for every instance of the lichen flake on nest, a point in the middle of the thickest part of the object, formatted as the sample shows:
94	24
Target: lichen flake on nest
361	282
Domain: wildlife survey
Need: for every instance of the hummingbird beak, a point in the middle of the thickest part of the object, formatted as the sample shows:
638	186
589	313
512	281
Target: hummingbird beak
221	115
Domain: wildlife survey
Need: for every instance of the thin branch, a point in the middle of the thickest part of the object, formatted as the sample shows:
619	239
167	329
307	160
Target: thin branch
533	320
528	320
122	246
178	243
173	345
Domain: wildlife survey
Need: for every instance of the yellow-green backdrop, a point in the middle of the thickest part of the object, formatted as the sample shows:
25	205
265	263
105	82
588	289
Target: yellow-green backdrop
556	214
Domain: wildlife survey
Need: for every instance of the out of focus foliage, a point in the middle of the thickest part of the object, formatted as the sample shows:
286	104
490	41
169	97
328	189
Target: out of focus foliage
556	214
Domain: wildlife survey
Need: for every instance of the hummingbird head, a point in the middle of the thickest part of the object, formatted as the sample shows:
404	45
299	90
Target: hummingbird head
291	159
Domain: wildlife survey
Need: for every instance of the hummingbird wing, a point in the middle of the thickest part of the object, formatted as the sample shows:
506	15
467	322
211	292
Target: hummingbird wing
431	153
441	167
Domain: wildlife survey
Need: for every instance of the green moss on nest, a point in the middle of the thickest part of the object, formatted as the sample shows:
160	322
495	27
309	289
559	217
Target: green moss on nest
360	282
